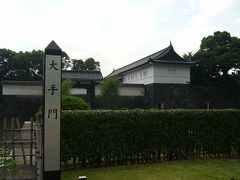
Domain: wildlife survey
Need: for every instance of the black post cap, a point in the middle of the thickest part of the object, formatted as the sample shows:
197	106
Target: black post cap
53	49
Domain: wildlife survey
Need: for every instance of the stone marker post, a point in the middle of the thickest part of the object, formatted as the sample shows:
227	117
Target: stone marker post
52	112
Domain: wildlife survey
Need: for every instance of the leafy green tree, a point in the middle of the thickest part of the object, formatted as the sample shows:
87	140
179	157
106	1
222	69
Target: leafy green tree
110	92
21	66
25	66
66	61
218	61
67	85
91	64
28	66
78	64
188	56
88	64
5	56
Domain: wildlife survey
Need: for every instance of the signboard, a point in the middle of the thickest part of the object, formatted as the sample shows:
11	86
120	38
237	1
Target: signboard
52	112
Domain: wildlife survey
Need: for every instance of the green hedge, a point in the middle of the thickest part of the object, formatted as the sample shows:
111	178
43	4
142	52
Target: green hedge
96	138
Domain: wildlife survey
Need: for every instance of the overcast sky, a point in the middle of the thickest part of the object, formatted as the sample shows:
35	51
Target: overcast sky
114	32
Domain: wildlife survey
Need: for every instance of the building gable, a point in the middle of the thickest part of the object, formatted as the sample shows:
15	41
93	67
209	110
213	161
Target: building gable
174	69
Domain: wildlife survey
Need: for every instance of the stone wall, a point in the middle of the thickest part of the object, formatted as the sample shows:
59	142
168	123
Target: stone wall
22	107
170	96
19	106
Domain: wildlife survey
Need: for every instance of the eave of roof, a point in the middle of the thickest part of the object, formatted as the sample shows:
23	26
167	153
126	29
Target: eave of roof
175	62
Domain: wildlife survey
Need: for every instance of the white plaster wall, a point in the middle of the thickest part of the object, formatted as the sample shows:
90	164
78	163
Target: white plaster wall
78	91
125	91
131	91
97	90
27	90
22	90
139	77
36	90
176	74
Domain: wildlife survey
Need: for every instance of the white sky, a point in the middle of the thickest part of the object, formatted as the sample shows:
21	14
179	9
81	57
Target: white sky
114	32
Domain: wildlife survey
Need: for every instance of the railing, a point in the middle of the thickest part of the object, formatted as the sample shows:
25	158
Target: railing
23	144
39	150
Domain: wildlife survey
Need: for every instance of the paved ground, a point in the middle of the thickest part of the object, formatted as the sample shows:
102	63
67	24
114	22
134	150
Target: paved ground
25	137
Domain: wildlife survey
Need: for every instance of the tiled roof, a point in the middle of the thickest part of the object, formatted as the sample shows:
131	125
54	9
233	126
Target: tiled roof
165	56
82	75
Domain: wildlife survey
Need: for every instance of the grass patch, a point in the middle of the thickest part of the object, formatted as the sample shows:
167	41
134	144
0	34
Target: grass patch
189	169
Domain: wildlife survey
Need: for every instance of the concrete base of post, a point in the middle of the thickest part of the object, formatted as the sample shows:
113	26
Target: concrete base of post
82	178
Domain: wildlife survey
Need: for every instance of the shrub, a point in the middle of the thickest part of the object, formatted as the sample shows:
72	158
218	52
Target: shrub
7	165
74	103
108	137
67	85
110	92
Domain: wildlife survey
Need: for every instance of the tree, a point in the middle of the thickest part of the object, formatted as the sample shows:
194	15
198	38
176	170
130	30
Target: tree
218	61
21	66
188	56
78	64
28	66
5	56
91	64
66	61
25	66
110	92
88	64
67	85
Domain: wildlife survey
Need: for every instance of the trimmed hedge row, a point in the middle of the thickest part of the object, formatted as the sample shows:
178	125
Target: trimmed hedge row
105	137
